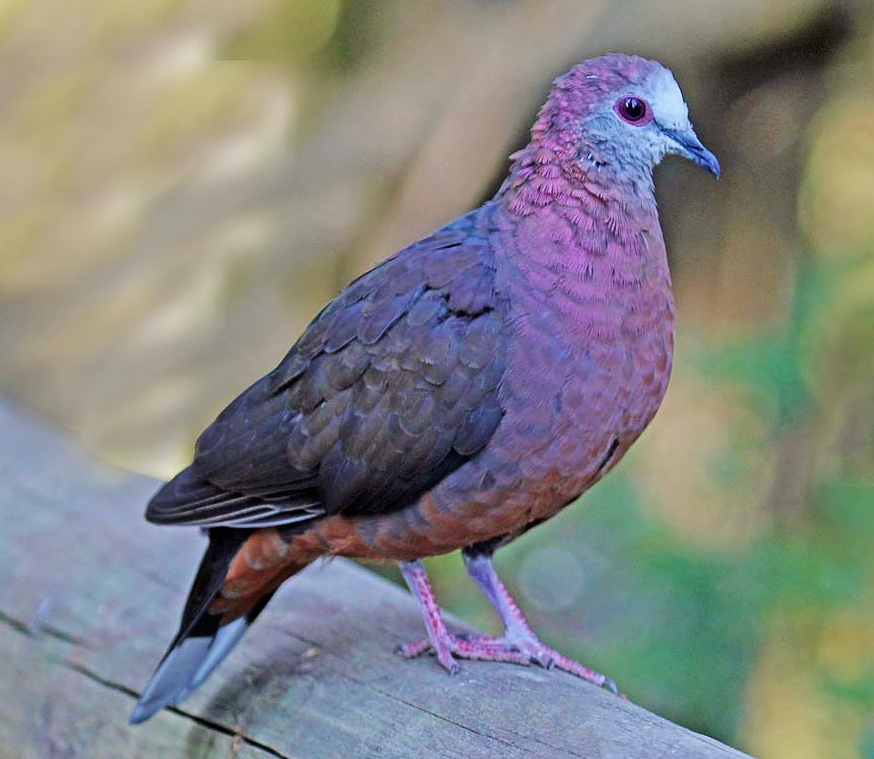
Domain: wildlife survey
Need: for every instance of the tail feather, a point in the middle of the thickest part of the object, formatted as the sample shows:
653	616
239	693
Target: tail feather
173	681
203	639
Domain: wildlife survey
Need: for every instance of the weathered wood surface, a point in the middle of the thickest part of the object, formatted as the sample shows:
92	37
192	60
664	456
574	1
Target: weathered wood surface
89	597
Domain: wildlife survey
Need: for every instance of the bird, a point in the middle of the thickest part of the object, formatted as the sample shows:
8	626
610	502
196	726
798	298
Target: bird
460	393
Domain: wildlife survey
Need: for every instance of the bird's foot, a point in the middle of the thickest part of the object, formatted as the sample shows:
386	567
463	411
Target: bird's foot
523	650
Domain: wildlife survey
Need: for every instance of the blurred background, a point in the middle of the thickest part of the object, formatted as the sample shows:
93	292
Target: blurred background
185	183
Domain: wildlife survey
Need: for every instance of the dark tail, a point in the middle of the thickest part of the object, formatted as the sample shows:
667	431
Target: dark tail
203	640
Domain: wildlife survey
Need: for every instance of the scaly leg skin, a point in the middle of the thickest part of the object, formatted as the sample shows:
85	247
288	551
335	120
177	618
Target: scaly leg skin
438	638
518	644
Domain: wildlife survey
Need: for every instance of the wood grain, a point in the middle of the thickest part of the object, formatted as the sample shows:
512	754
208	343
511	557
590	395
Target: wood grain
89	597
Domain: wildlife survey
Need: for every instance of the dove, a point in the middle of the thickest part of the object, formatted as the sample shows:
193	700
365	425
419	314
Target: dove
457	395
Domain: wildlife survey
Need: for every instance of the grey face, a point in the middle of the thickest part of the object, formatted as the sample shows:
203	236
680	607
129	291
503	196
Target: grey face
653	121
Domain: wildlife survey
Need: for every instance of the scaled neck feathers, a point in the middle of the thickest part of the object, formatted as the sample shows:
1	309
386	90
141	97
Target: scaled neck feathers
563	170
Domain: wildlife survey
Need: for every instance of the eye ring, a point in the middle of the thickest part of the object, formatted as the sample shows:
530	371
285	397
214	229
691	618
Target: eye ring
633	110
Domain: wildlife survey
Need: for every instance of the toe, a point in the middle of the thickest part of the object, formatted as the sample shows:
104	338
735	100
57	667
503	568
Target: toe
414	649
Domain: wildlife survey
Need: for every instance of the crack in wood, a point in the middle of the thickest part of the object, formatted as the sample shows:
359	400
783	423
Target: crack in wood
15	624
202	721
32	631
34	627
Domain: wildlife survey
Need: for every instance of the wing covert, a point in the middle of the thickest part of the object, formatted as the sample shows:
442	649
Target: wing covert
392	386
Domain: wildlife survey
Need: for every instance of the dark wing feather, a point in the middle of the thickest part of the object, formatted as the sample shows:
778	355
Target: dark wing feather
391	387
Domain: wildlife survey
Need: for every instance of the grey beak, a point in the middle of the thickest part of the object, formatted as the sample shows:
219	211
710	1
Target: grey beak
691	147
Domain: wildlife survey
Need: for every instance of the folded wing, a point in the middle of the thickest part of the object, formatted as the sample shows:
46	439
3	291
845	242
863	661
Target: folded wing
392	386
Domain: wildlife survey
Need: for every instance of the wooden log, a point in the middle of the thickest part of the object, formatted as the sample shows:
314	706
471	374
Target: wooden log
90	595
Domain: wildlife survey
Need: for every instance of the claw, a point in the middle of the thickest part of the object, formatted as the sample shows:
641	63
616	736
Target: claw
503	649
519	644
611	686
423	645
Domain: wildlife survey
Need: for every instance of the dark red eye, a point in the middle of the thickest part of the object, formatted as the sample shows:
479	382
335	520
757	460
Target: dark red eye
633	110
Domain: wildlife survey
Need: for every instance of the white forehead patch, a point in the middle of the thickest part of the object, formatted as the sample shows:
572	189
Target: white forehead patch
666	100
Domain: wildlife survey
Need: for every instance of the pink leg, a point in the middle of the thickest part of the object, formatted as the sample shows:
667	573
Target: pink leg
518	645
438	636
518	634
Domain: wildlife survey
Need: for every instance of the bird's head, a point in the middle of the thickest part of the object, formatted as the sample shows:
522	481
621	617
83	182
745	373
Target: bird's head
621	114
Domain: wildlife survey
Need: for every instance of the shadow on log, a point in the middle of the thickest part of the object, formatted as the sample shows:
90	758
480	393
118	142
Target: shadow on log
89	598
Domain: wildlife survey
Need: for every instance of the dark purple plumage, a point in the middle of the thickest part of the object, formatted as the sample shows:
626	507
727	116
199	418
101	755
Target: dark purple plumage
458	394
